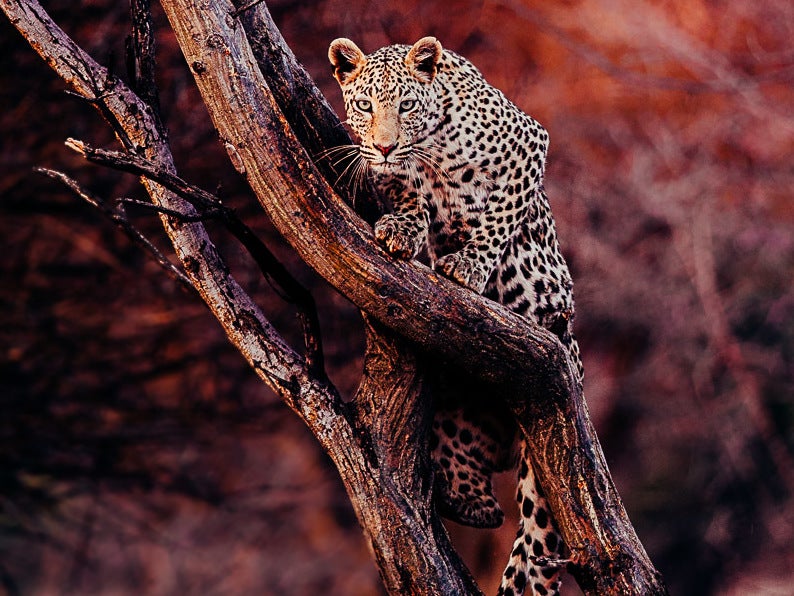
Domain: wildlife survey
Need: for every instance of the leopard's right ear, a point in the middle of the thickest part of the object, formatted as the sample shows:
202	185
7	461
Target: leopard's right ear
423	58
347	60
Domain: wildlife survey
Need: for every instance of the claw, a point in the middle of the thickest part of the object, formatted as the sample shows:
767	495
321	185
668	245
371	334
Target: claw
462	270
395	238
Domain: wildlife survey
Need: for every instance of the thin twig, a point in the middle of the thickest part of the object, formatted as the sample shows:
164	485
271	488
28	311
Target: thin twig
210	206
183	217
119	218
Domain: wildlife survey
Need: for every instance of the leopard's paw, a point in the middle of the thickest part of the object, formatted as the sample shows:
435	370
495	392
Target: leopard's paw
396	237
463	270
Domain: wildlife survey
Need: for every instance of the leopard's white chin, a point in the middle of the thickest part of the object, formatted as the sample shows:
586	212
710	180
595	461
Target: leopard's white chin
386	166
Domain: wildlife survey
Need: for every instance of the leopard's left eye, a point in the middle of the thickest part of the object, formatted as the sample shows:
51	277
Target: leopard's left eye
407	105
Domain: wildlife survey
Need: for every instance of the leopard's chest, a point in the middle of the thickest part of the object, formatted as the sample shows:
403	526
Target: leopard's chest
456	195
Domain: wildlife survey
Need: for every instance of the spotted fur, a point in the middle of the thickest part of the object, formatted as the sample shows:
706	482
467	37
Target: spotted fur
463	168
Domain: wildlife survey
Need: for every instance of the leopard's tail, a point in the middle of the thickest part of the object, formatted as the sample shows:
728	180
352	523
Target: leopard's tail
535	561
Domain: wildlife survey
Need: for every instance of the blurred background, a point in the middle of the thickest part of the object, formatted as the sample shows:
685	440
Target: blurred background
138	454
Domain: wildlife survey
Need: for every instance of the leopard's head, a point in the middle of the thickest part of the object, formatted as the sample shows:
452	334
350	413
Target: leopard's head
391	102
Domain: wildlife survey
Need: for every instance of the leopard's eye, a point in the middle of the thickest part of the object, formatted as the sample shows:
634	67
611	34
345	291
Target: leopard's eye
364	105
407	105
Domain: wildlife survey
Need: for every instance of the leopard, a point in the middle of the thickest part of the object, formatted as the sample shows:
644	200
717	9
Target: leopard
461	170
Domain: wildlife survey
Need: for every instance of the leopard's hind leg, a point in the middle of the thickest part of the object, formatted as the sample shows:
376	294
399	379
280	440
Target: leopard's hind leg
463	455
472	438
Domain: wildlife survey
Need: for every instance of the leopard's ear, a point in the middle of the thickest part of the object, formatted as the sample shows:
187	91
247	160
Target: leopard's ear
423	58
347	60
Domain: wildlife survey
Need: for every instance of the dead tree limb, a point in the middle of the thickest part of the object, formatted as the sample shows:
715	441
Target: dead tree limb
118	217
388	484
209	206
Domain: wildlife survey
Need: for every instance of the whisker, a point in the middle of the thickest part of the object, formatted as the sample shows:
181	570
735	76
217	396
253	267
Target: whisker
427	158
339	155
343	158
326	153
359	177
353	163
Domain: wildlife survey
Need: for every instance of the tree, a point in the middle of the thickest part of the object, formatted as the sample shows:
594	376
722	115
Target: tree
271	118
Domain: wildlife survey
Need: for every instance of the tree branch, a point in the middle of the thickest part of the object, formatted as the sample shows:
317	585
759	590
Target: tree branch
206	203
118	217
245	325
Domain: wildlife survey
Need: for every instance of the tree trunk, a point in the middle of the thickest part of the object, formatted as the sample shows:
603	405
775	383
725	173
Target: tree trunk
395	506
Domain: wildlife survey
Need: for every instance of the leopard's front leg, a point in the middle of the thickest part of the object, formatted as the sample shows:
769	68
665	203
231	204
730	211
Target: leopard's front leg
404	232
470	269
473	264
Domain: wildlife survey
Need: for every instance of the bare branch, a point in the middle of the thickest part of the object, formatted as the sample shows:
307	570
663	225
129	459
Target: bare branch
209	205
244	323
118	217
148	206
134	164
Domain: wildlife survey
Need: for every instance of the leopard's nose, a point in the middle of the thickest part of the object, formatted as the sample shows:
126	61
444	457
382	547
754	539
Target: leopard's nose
385	149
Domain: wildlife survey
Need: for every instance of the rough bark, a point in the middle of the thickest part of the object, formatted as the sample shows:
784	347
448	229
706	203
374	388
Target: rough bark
377	443
393	416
